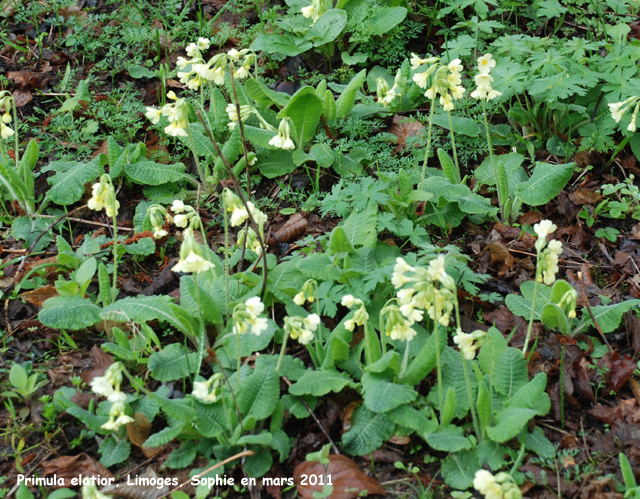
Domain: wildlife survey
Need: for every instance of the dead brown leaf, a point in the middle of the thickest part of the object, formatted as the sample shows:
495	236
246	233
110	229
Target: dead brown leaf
28	79
583	196
22	98
69	467
403	128
292	229
101	361
595	490
500	257
626	411
40	295
349	481
137	491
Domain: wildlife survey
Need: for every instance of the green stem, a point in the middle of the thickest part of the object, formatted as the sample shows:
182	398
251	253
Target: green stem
114	290
426	154
239	360
453	144
405	359
15	124
202	338
493	163
533	309
438	364
476	426
226	253
203	179
284	347
319	345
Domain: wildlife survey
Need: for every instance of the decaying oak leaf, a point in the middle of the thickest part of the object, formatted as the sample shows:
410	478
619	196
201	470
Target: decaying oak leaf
69	467
138	432
101	361
291	230
40	295
347	478
403	128
153	490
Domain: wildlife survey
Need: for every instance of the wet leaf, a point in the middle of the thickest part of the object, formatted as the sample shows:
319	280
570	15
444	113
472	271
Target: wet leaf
69	467
292	230
40	295
348	479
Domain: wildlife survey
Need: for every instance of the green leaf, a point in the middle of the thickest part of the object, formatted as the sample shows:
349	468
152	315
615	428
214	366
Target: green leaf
545	183
210	308
327	28
68	184
211	419
259	393
461	125
90	420
177	409
449	410
164	436
483	406
424	362
459	469
173	362
260	463
286	44
136	71
383	20
61	494
28	229
249	343
359	226
18	376
381	395
492	454
510	422
352	60
144	247
274	164
347	98
491	350
448	439
304	110
367	433
521	305
320	383
152	173
407	416
448	167
23	492
262	94
114	452
183	456
529	394
608	316
339	242
69	312
511	373
538	443
513	167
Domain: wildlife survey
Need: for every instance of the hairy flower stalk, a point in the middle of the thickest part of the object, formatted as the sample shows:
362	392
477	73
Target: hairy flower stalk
618	110
546	266
104	197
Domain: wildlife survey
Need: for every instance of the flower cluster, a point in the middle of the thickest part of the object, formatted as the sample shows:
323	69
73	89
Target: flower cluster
360	317
109	386
469	342
484	79
283	139
104	196
301	328
569	302
500	486
315	10
397	327
232	111
191	256
385	94
618	109
175	112
5	100
446	80
306	294
246	317
547	254
239	214
206	391
90	491
158	215
423	294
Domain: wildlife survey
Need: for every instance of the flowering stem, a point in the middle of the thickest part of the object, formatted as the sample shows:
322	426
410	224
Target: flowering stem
202	337
239	360
426	154
319	351
15	125
203	179
476	426
533	308
226	253
435	332
493	163
405	359
241	126
284	347
453	144
114	290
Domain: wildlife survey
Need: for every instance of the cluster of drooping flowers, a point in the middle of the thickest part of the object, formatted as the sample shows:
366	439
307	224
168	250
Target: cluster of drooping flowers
158	215
469	342
206	391
192	258
109	386
301	328
5	100
500	486
315	10
484	79
446	81
246	317
196	71
104	196
423	294
385	94
283	139
239	214
397	327
245	112
618	109
175	112
547	254
360	317
306	294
